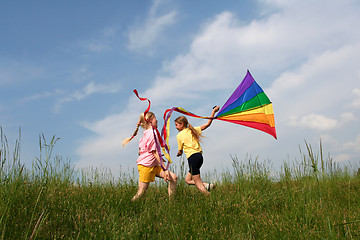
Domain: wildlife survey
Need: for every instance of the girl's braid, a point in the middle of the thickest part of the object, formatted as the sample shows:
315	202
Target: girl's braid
127	140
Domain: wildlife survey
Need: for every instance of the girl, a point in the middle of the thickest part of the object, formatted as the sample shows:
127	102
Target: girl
188	140
148	162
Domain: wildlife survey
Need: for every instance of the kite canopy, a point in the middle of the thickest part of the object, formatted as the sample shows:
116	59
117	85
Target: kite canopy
249	106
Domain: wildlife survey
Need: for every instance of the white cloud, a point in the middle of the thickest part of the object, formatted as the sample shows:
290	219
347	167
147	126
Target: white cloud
340	150
104	149
342	158
306	50
100	44
44	95
320	122
142	37
353	145
328	139
356	101
356	92
95	46
319	86
13	73
101	152
347	117
314	121
90	89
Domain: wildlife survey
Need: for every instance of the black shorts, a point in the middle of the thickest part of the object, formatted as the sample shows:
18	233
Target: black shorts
195	162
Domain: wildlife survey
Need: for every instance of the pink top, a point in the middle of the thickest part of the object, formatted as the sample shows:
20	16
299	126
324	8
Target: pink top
147	146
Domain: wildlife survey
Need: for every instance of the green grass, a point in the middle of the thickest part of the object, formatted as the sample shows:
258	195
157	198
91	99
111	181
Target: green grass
312	199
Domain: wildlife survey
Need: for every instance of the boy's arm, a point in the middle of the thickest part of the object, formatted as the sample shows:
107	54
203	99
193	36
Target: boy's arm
205	126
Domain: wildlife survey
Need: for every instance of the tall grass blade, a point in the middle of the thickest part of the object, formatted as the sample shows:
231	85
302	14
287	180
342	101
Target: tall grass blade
33	212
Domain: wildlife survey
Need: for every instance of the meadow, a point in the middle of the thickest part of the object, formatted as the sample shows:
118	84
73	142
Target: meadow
312	198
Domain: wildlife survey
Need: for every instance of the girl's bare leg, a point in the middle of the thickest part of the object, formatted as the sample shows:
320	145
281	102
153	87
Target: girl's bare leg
199	184
143	186
189	180
172	183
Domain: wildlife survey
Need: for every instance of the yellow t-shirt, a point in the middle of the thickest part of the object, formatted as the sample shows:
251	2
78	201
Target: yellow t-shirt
188	143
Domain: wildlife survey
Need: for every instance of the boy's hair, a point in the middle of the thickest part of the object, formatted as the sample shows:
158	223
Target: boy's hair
183	120
143	123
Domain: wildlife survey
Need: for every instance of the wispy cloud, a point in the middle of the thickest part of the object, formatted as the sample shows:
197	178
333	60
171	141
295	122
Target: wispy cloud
353	145
63	97
356	101
14	73
95	46
348	117
345	151
44	95
103	43
90	89
314	121
143	36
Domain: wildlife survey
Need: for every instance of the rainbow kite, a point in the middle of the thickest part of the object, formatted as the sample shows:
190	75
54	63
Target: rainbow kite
249	106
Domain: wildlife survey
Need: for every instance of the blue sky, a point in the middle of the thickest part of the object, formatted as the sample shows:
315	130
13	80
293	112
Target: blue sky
68	68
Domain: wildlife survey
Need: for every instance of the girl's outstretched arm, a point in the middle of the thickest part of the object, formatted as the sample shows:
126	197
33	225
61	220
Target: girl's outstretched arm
205	126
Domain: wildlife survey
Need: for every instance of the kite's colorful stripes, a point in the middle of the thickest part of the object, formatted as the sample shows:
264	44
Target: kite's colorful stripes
249	106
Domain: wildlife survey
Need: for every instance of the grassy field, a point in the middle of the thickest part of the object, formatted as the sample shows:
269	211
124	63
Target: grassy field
311	199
